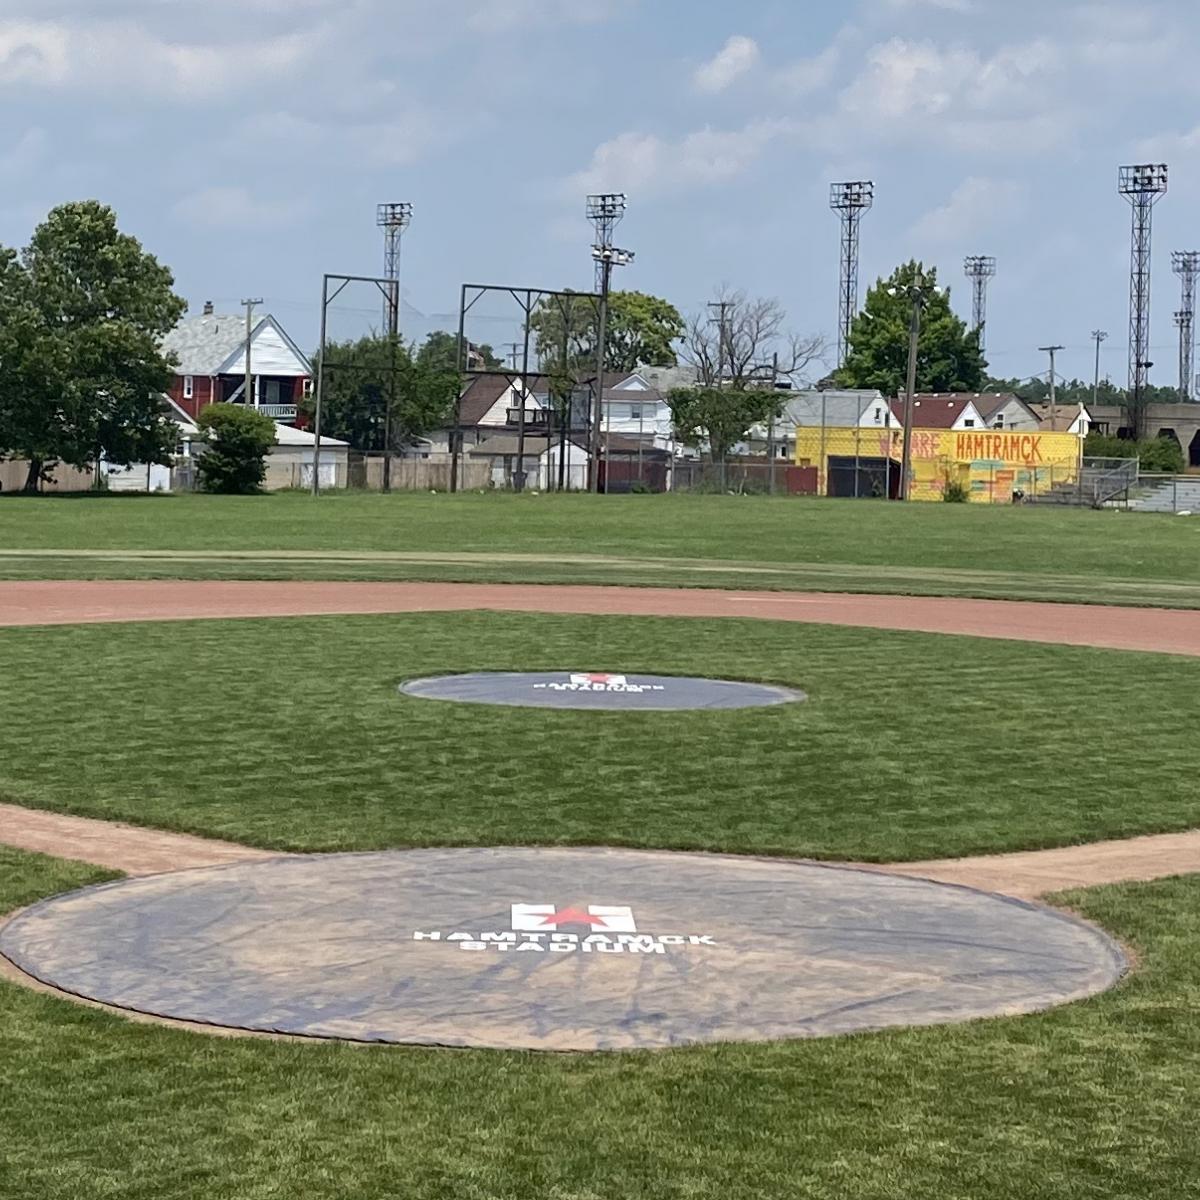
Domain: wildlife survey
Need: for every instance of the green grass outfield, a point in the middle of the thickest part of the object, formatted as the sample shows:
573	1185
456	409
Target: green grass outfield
289	733
783	543
1094	1101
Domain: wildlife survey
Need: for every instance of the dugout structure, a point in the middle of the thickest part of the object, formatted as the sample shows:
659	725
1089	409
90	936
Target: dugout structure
568	415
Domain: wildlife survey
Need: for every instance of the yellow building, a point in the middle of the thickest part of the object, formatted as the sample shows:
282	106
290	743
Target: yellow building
992	463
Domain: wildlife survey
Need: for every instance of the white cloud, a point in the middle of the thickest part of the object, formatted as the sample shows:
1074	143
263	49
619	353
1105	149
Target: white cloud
730	63
958	98
976	207
236	208
123	57
647	163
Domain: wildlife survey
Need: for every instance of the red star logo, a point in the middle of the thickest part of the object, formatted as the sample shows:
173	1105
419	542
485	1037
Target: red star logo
599	678
574	916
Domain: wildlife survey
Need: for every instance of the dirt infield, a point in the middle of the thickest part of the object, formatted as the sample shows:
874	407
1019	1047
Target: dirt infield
1168	631
1027	874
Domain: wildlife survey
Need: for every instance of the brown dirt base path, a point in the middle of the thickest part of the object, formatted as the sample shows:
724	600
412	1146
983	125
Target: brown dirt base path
68	602
1027	874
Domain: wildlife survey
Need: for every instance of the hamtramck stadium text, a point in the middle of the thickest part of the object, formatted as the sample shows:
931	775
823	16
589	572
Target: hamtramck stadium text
566	943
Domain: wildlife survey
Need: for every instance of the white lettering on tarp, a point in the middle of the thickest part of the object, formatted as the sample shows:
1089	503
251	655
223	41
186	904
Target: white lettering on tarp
565	943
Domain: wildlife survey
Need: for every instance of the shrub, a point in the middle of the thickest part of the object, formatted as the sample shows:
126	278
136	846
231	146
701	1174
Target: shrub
239	440
1156	455
955	491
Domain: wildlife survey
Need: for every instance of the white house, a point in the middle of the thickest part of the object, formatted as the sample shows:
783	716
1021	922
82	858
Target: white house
1006	411
289	464
540	461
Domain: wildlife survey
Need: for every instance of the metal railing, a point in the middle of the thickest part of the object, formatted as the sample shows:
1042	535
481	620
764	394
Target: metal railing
1166	494
279	412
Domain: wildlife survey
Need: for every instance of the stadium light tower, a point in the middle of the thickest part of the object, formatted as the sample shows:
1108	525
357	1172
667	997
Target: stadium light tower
850	200
393	219
1186	264
1143	186
979	268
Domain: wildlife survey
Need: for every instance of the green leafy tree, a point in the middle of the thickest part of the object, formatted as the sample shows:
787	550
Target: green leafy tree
83	371
642	330
948	355
240	438
1162	455
440	353
719	418
361	379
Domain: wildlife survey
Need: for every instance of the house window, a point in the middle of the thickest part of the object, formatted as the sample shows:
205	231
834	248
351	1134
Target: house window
878	415
969	423
308	387
635	412
999	424
189	387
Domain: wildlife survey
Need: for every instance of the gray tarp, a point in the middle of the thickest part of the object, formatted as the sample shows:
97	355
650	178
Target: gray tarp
625	693
557	949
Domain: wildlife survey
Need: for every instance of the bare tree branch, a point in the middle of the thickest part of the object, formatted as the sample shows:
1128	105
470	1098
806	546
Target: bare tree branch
736	344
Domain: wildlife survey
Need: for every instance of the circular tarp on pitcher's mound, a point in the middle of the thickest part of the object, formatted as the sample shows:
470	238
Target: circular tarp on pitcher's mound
555	949
567	689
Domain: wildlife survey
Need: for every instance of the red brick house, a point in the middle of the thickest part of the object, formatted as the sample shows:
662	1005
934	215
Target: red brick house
211	354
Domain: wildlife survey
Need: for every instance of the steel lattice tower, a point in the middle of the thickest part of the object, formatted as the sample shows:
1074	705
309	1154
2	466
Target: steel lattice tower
1142	186
979	268
850	200
393	219
1186	264
604	210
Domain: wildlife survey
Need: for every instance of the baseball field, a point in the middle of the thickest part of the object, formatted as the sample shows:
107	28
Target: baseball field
971	746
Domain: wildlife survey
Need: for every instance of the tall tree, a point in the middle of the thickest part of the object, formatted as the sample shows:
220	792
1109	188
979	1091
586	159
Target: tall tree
741	341
948	355
719	418
440	352
93	307
358	382
642	330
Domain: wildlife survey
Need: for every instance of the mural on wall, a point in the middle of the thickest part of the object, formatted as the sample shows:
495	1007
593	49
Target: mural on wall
991	463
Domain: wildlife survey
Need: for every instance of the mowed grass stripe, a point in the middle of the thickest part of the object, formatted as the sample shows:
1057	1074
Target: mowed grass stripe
934	549
1095	1101
289	734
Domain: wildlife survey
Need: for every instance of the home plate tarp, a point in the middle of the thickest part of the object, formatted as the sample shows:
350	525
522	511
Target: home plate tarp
584	689
555	949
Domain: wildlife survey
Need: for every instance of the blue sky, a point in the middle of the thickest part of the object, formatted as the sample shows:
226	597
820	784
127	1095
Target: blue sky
246	142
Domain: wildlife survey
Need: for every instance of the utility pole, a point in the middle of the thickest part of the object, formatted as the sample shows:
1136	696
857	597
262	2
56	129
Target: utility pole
910	389
771	424
721	307
1052	351
604	210
1098	336
250	305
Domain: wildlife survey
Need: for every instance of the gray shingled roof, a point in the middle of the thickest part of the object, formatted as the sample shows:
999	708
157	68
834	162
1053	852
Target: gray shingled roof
203	343
833	408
